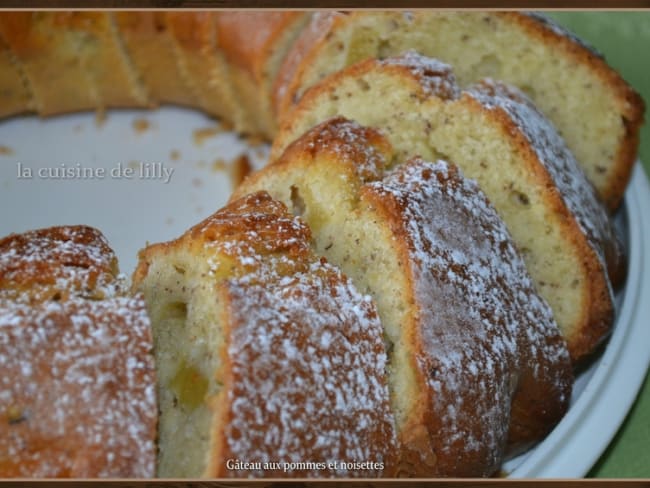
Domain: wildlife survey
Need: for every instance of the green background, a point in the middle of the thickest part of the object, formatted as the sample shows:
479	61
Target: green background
624	39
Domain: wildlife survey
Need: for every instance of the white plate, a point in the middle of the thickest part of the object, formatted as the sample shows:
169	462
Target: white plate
133	210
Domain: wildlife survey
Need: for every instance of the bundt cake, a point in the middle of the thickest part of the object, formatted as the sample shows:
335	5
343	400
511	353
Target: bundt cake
497	137
270	362
250	68
596	112
433	355
77	395
71	61
477	368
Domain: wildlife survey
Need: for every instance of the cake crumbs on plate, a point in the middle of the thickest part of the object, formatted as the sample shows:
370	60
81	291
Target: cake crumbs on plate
255	140
174	155
100	117
200	135
219	164
6	150
239	169
141	125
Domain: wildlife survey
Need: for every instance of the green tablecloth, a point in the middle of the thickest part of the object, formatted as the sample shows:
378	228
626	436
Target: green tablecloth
624	39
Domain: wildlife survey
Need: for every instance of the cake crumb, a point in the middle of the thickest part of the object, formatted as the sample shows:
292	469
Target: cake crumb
219	165
174	155
100	117
141	125
6	151
239	169
134	164
255	140
200	135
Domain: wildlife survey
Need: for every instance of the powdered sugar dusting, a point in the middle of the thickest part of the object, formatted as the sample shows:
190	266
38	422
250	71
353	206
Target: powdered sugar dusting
575	190
258	234
435	77
55	263
77	389
308	366
485	332
361	149
77	392
557	29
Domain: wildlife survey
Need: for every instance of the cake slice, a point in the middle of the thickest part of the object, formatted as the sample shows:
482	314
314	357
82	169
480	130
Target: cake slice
595	110
265	353
477	368
254	44
203	66
15	93
50	57
117	83
497	137
150	46
77	394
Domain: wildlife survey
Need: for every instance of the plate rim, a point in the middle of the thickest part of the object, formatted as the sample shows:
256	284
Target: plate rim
562	453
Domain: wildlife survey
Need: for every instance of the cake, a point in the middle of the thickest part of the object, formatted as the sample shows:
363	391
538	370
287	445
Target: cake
496	136
477	368
15	96
266	353
595	111
419	345
154	55
249	69
77	396
204	68
71	61
254	45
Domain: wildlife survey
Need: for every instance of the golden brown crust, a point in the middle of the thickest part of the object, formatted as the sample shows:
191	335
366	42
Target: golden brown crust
56	263
73	60
256	225
77	390
76	394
